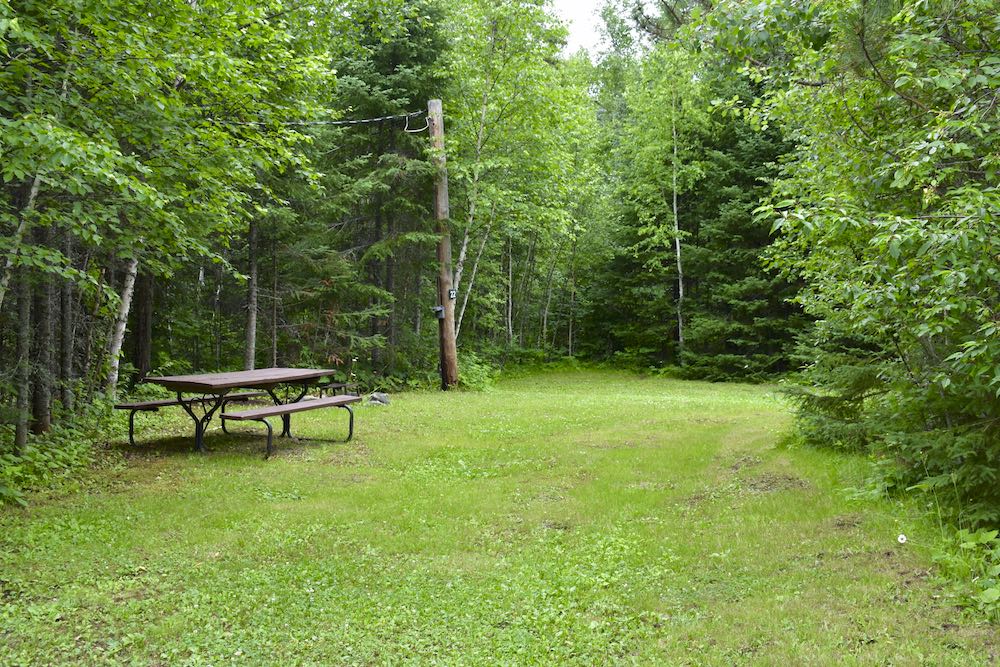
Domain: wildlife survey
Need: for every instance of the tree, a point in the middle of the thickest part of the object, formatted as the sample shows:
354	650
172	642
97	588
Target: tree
888	212
132	135
521	126
667	123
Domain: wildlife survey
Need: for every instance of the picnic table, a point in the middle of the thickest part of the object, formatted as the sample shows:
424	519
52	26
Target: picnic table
208	391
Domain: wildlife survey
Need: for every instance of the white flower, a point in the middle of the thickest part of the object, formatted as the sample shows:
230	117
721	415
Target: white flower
901	539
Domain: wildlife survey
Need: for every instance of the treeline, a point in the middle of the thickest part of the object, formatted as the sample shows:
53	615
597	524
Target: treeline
135	137
728	190
182	191
681	282
885	204
888	212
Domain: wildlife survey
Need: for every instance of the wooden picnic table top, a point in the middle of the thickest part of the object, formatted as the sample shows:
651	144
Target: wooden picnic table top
218	383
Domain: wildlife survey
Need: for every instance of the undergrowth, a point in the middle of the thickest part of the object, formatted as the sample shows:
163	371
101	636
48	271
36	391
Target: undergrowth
969	566
51	459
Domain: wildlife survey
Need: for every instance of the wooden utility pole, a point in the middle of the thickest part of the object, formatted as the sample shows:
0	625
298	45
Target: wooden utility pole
446	295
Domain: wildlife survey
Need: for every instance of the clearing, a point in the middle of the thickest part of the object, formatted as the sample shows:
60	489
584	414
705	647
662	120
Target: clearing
586	517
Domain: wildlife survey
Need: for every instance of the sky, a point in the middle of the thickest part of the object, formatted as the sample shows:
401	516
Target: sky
584	23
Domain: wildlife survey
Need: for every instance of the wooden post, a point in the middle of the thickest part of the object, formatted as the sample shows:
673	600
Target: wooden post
446	317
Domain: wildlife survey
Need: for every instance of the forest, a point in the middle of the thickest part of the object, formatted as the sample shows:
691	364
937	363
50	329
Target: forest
794	193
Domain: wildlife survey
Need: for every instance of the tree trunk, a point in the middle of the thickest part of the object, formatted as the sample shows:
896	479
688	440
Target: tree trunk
390	287
250	349
473	192
274	303
572	296
677	240
23	373
374	278
66	338
22	226
217	318
463	251
418	318
418	312
143	358
118	333
91	330
523	292
510	291
543	335
472	276
41	407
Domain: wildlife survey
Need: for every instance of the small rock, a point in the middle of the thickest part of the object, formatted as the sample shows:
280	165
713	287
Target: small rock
378	398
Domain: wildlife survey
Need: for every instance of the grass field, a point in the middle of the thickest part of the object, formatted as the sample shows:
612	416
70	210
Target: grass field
572	517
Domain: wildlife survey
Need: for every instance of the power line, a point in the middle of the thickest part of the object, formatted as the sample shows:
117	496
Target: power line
359	121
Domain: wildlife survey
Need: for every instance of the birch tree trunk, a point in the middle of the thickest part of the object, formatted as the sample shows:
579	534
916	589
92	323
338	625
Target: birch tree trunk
572	296
250	349
473	193
121	321
510	290
543	334
523	292
198	302
677	239
466	236
472	276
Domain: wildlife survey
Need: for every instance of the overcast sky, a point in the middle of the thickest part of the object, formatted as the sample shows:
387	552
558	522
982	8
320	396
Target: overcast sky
581	15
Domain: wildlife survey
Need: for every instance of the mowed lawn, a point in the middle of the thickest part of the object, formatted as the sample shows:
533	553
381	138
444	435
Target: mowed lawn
571	517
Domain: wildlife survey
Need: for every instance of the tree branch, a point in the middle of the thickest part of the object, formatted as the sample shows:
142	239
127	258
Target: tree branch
878	73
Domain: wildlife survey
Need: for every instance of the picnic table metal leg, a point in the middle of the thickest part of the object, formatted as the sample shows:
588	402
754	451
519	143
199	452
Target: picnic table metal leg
131	427
221	419
226	400
270	437
200	423
350	426
199	436
286	420
223	405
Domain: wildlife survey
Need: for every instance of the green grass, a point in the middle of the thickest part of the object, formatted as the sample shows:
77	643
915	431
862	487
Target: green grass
577	517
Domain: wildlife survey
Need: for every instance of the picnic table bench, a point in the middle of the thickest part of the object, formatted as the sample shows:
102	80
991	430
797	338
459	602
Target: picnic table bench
334	387
155	405
214	392
283	410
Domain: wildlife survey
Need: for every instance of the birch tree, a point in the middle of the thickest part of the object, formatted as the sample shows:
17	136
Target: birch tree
668	115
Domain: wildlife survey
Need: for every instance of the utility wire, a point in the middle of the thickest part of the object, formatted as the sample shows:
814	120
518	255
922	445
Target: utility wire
360	121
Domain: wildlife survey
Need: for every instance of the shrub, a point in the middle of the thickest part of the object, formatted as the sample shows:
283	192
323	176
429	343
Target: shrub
970	565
